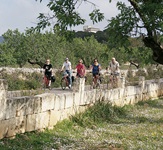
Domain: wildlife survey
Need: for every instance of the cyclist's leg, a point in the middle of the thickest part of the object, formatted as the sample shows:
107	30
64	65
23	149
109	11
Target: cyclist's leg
63	83
69	74
46	80
49	80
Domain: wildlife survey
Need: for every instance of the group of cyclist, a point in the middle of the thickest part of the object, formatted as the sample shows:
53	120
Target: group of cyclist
80	69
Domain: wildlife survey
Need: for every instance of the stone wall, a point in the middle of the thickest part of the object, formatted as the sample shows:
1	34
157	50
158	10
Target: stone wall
29	113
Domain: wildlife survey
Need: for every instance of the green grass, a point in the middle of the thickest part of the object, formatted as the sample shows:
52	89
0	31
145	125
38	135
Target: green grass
101	127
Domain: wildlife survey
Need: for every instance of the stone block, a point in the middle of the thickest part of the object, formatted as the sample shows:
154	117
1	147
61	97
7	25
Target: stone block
47	101
3	99
76	97
16	126
129	100
11	108
3	128
30	103
3	85
31	122
21	106
130	90
89	97
114	94
59	102
37	104
82	100
66	113
68	100
99	95
42	120
54	117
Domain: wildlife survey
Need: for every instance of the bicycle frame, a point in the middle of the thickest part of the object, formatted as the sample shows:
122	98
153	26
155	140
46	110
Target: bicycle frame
114	80
65	81
45	81
96	81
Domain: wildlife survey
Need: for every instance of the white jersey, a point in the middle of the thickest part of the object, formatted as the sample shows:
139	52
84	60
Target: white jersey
67	65
114	67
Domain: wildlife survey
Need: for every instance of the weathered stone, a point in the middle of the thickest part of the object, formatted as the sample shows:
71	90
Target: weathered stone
68	100
29	113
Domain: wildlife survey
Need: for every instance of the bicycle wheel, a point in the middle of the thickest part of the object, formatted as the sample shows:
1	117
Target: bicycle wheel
103	82
63	83
45	82
98	84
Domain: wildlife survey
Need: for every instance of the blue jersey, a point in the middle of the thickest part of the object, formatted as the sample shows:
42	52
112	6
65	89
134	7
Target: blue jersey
95	69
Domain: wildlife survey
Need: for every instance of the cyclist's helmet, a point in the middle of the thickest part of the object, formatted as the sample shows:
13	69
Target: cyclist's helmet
66	59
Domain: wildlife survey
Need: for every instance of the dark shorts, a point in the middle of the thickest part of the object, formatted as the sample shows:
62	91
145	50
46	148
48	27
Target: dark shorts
79	75
95	74
48	76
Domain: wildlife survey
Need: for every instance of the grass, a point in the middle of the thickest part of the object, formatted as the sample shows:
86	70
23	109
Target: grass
101	127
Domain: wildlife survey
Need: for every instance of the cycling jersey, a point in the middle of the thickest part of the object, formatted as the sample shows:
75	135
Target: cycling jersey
114	67
47	68
80	70
95	69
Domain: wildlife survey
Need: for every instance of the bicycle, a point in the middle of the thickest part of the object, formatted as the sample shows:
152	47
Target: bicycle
112	80
46	82
65	81
97	81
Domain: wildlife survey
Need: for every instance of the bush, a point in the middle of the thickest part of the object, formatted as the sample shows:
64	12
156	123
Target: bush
22	81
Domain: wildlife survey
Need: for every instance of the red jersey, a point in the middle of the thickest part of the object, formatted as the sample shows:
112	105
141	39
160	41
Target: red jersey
80	69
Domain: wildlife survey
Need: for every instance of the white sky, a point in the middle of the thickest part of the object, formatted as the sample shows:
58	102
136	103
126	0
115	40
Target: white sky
22	14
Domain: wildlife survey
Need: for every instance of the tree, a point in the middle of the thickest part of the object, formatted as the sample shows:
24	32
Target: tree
140	14
15	42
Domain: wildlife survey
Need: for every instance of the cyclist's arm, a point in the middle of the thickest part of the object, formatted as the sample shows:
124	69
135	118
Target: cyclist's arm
50	70
62	67
117	66
99	67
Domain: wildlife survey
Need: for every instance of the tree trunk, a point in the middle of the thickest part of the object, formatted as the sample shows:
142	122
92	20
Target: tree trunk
156	48
36	63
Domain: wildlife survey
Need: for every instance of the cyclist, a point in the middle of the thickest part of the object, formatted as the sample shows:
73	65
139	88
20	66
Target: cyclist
114	68
95	67
67	68
80	69
48	71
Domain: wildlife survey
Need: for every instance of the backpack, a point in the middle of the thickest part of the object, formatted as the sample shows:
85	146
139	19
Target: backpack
52	78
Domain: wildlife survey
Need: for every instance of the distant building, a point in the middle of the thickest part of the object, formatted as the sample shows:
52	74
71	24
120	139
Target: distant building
90	29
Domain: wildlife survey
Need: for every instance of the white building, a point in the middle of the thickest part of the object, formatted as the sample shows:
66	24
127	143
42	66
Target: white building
90	29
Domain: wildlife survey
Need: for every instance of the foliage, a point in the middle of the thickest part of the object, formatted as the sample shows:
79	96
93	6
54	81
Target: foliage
18	48
22	81
66	15
6	56
138	15
15	41
100	112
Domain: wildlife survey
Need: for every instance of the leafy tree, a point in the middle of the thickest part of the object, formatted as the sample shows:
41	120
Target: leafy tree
88	49
140	14
6	56
15	41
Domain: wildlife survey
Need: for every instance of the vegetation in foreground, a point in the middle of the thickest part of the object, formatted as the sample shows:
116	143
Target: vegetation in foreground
101	127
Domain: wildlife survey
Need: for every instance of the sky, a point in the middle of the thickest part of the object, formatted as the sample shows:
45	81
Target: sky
22	14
